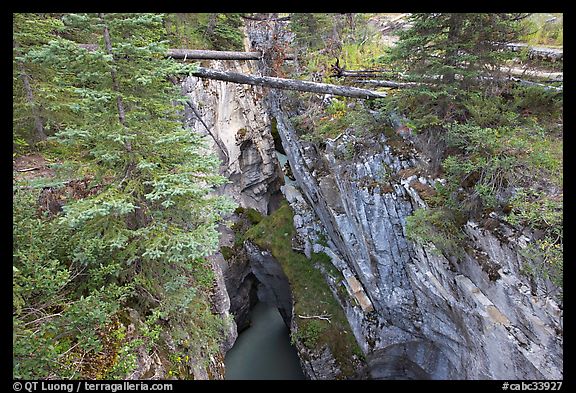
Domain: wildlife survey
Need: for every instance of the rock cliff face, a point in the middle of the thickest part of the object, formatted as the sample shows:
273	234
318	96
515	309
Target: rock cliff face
273	288
238	127
235	116
415	313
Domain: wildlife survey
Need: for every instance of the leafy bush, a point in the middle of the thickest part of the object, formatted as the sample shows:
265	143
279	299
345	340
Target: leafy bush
309	332
546	104
536	210
485	165
545	259
62	303
489	111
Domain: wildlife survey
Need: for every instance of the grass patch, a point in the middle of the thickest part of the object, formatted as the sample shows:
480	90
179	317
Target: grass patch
312	295
544	29
324	260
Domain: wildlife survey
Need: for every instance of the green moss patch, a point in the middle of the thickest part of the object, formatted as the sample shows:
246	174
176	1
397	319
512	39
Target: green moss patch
312	295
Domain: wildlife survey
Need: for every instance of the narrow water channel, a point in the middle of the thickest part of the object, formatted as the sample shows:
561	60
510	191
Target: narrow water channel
263	351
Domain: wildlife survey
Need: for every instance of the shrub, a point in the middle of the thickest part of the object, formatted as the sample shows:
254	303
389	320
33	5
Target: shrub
489	111
546	104
536	210
437	226
309	332
545	259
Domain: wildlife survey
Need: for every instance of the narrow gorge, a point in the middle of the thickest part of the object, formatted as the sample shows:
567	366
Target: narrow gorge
414	313
261	213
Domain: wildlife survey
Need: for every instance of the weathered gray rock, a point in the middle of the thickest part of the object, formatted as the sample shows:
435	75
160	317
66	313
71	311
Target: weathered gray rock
274	287
318	365
221	304
235	115
431	318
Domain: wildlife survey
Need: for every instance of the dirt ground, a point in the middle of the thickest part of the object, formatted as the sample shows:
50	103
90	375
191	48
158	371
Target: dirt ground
31	166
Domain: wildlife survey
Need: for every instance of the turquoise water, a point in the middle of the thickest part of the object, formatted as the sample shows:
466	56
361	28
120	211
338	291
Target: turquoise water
263	351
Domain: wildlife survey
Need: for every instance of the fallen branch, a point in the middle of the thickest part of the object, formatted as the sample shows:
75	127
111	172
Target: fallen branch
28	169
287	84
203	54
322	317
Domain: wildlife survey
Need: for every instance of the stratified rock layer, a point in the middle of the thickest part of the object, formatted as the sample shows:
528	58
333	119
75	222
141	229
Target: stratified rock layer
415	313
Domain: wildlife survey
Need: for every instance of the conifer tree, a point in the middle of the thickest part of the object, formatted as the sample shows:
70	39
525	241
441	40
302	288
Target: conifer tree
447	44
30	31
142	235
451	52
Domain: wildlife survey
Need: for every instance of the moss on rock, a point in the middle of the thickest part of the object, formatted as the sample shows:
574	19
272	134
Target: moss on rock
312	295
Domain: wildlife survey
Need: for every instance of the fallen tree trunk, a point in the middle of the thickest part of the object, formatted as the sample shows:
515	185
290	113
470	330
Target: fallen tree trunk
523	82
400	85
542	52
383	83
530	83
536	74
197	54
204	54
361	73
280	19
287	84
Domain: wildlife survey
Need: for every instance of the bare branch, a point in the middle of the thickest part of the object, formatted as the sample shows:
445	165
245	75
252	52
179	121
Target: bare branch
325	317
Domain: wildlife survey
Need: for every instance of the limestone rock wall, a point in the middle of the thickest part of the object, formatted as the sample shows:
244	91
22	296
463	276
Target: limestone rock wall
415	313
235	115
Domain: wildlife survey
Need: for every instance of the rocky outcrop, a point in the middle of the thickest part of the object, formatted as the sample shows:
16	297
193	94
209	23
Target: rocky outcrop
274	288
415	313
236	118
242	285
317	364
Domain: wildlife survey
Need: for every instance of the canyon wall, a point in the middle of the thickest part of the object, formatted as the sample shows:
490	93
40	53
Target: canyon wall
415	313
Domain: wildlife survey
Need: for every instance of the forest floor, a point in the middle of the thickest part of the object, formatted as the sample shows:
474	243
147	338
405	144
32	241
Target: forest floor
31	166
